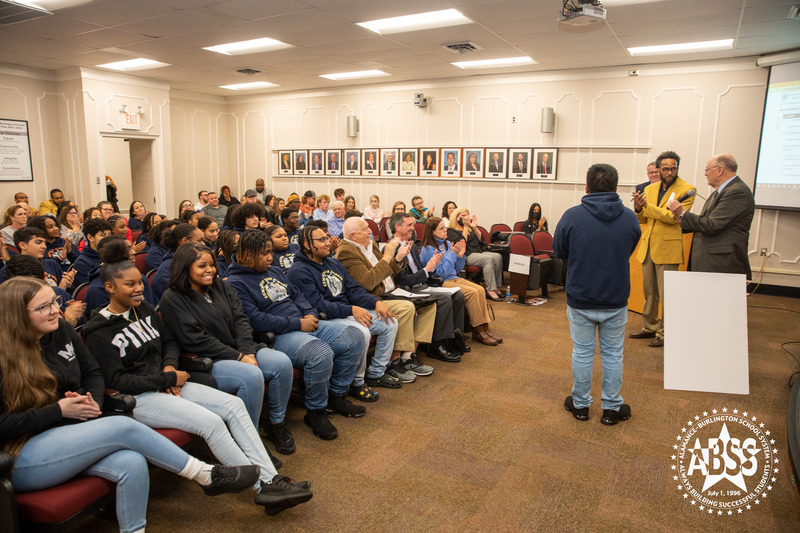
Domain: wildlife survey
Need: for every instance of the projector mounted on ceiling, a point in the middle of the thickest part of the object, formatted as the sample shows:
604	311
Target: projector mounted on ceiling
581	12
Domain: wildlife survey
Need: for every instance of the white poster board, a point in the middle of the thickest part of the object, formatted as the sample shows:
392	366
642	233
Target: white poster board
705	332
521	264
15	151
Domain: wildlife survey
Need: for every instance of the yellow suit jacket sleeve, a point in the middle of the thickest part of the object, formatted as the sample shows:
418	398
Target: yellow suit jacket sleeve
662	233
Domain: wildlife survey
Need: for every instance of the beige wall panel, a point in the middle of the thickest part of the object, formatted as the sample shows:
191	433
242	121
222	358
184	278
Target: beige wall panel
225	126
529	120
256	151
48	111
676	125
369	122
315	128
568	110
340	128
182	161
445	122
738	126
615	118
491	121
282	126
203	143
401	125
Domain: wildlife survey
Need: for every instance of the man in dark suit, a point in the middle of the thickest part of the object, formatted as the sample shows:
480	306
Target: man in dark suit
722	229
352	164
653	175
333	162
521	164
449	324
496	165
544	167
286	164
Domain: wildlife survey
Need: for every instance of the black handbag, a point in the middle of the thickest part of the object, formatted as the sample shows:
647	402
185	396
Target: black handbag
419	303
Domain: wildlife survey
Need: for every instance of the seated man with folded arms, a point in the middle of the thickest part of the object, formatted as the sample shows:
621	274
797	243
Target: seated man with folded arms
374	270
328	288
448	330
327	351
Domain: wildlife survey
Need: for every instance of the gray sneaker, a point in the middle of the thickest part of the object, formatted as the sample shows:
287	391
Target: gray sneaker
415	366
397	370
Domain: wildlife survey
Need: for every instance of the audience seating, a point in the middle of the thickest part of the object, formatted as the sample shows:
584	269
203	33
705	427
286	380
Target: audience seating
383	221
419	229
543	244
499	227
540	264
374	228
518	225
150	276
135	235
384	236
80	291
140	262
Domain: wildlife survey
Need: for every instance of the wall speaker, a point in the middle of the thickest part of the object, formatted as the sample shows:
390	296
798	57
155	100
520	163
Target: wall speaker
548	119
352	126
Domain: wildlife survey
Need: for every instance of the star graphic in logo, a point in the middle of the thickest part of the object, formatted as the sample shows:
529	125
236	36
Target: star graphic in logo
717	461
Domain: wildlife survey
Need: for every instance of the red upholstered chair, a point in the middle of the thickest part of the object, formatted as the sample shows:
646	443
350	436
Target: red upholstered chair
135	235
140	262
383	235
419	229
518	225
543	244
376	232
80	291
150	276
499	227
540	266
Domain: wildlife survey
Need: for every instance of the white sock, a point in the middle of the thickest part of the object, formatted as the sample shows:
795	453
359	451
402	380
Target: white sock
139	531
405	356
197	470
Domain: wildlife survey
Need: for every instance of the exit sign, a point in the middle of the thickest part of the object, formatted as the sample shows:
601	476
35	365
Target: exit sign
130	121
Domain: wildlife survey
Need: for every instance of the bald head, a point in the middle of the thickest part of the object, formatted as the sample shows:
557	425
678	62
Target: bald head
720	168
355	229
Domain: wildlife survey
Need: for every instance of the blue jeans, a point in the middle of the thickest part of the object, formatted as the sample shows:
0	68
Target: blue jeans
585	325
328	356
384	345
218	417
277	372
116	448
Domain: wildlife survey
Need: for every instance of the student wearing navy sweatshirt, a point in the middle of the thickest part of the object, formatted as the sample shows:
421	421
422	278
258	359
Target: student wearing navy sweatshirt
31	241
328	287
328	351
94	229
283	251
57	248
171	240
598	236
157	251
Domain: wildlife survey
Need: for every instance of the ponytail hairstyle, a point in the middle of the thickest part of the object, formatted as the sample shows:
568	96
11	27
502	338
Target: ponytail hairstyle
27	381
252	243
115	252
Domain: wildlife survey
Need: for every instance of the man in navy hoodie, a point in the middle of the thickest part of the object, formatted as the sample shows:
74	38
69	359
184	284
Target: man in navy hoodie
94	229
598	238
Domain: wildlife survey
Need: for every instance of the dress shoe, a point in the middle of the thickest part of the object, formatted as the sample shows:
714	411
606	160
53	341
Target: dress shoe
644	334
479	334
657	342
459	343
438	351
492	335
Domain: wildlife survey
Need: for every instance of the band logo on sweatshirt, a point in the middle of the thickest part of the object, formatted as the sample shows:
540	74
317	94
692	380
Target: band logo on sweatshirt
68	352
333	281
273	289
137	333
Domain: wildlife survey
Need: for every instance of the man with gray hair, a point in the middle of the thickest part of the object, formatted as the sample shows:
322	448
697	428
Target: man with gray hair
336	222
722	229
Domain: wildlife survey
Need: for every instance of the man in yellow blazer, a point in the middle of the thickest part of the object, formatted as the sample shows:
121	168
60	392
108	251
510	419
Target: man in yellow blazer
661	247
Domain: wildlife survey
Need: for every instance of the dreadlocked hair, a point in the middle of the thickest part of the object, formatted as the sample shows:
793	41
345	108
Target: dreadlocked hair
226	245
305	240
252	243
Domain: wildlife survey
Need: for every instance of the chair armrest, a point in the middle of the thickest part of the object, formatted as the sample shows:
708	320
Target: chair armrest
114	402
6	463
193	362
265	337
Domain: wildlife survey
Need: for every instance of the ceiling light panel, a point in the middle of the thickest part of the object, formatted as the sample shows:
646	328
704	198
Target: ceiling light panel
354	75
253	46
419	21
249	86
679	48
134	64
495	63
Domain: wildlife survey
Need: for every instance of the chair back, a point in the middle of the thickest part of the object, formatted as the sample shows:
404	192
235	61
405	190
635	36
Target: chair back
521	245
140	262
80	291
384	237
150	276
486	237
383	221
419	229
518	225
376	232
135	235
499	227
542	242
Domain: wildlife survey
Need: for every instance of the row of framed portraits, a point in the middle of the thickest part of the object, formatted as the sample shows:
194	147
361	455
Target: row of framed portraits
521	163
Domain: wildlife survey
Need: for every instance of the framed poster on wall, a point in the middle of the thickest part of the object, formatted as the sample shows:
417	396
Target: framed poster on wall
370	162
352	162
389	165
301	162
317	163
429	162
519	163
545	159
285	158
333	162
15	151
451	162
408	161
496	162
473	163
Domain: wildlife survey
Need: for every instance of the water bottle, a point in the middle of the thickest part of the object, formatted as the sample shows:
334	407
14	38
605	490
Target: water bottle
509	298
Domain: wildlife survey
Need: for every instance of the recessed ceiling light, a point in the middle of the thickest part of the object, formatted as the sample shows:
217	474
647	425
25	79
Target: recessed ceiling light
494	63
354	75
250	85
134	64
420	21
248	47
52	5
724	44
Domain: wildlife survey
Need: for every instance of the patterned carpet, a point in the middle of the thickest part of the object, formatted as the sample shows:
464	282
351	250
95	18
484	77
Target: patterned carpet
486	445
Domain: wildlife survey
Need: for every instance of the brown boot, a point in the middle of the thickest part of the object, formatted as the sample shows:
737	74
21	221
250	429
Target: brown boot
480	334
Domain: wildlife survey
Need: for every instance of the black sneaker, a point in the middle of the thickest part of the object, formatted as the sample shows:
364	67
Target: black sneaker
318	421
611	417
277	463
280	437
581	414
282	494
386	380
231	479
343	406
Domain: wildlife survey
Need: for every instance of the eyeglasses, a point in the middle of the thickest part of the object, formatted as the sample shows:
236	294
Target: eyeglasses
44	309
669	169
322	239
710	168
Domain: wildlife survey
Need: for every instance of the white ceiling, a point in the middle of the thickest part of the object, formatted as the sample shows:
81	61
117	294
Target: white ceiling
326	38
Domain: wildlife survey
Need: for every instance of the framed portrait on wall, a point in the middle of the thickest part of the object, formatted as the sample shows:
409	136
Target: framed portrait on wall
545	159
333	162
301	162
285	162
429	162
369	162
519	163
408	162
389	164
495	162
472	165
451	162
352	162
316	165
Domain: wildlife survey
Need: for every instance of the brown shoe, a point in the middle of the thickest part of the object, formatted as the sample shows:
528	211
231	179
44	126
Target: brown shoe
492	335
644	334
479	334
657	342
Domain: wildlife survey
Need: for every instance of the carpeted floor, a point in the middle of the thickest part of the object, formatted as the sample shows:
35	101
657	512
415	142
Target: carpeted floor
486	445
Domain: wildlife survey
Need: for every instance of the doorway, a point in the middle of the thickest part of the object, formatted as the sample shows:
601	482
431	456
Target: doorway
129	163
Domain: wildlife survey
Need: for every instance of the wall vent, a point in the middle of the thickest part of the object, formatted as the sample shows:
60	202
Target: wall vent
248	71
